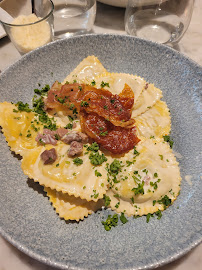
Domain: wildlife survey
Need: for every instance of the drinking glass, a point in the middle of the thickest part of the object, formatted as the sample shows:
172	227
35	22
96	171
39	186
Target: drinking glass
73	17
163	21
34	30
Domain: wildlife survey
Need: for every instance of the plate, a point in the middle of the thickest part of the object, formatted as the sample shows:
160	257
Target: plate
27	219
123	3
119	3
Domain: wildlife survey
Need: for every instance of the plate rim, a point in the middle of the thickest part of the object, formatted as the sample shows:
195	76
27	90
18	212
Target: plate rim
49	261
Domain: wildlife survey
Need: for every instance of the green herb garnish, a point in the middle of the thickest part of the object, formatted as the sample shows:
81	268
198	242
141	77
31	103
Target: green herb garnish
168	139
111	221
123	219
96	158
107	200
166	201
139	189
78	161
103	84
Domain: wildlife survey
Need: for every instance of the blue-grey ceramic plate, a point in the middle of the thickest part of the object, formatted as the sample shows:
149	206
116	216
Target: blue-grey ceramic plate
28	220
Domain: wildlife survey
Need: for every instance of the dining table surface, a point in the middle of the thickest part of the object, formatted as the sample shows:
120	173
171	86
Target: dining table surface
109	19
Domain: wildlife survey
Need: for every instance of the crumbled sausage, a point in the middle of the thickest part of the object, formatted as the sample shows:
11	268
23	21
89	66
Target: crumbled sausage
61	132
49	156
84	137
71	137
46	139
78	137
76	148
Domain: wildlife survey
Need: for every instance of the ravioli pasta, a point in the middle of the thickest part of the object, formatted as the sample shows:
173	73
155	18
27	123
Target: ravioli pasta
71	208
66	176
159	176
135	183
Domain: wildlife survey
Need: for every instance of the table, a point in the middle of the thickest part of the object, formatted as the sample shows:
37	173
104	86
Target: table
108	20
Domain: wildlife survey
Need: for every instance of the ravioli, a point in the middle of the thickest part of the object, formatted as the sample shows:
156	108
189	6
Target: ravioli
146	100
65	176
19	128
153	173
155	122
137	182
115	82
71	208
86	71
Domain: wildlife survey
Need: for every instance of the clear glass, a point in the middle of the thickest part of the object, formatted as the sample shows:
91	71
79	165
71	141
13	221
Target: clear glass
29	36
73	17
163	21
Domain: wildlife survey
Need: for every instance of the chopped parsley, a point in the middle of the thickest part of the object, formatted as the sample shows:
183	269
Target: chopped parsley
69	126
145	170
115	167
94	147
84	103
123	219
48	123
166	201
103	84
93	83
117	205
139	189
43	91
78	161
136	153
111	221
103	133
57	137
71	119
158	214
61	100
161	157
96	158
22	107
97	173
128	163
148	216
38	107
168	139
154	185
95	195
107	200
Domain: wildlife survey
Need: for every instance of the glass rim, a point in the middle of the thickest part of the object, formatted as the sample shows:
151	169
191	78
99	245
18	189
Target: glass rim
28	24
